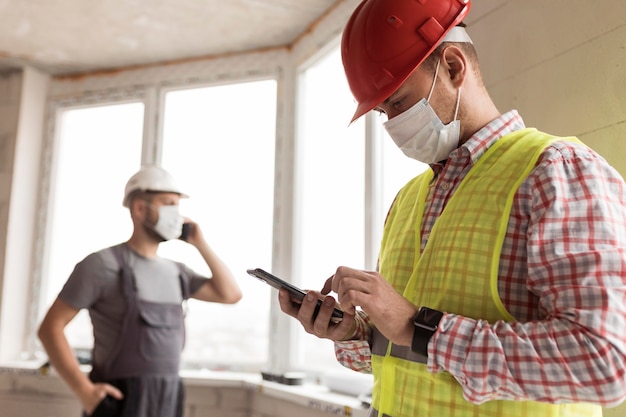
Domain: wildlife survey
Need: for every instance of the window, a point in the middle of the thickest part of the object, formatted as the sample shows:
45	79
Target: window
330	191
98	150
333	188
219	144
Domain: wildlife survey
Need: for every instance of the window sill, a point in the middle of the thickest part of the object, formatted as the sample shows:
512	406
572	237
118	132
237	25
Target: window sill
312	396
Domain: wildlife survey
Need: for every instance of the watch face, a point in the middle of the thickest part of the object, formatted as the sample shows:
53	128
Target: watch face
428	316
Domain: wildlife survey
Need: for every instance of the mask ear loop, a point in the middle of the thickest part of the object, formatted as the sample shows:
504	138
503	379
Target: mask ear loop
430	93
458	101
432	88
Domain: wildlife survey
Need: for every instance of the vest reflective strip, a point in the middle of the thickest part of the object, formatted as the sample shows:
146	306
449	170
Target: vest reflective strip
380	344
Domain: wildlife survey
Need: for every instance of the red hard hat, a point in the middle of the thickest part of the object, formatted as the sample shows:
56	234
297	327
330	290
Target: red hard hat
385	40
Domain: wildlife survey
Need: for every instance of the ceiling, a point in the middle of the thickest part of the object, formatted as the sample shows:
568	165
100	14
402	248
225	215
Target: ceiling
75	36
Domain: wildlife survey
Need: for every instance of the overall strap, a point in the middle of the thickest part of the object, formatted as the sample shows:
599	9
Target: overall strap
127	285
127	281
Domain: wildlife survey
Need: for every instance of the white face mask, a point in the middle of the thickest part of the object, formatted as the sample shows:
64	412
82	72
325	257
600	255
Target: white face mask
421	135
170	223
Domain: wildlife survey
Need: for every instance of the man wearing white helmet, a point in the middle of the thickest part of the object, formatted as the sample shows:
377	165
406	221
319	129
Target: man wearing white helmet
134	298
501	281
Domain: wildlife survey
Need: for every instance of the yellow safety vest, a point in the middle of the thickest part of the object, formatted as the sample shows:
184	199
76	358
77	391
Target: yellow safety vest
456	273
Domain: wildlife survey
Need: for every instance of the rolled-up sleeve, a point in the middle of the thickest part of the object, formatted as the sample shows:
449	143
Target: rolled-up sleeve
356	354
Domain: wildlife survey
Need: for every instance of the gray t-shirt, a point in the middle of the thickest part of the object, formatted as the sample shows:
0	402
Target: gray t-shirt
95	285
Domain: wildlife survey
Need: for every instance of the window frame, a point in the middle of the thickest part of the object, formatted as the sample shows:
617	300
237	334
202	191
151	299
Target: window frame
153	98
282	341
37	307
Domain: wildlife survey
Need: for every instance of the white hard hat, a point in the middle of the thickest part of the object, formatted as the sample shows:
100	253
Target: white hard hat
151	178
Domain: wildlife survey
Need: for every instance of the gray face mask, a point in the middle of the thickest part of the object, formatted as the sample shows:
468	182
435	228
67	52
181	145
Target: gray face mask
170	223
421	135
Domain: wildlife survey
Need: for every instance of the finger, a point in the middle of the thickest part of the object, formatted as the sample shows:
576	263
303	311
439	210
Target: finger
114	392
339	275
286	303
344	330
349	303
354	290
307	310
348	293
344	273
328	285
324	316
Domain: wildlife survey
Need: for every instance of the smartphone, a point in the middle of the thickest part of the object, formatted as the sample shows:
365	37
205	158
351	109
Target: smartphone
294	291
184	233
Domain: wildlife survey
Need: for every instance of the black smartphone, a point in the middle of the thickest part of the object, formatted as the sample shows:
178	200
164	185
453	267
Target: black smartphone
294	291
184	233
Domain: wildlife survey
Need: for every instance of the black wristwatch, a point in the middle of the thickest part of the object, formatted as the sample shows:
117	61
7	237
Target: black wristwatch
425	321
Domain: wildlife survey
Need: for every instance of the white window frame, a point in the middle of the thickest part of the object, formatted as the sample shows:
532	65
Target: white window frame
282	343
153	98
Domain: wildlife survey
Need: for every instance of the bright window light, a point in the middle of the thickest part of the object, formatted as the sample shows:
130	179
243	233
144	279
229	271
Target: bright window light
332	184
330	218
219	144
99	148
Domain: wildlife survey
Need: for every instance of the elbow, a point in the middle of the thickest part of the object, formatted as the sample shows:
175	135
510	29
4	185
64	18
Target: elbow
40	334
234	297
43	333
230	295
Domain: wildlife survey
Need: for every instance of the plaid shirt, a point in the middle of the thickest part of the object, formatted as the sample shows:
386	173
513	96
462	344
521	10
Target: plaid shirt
562	275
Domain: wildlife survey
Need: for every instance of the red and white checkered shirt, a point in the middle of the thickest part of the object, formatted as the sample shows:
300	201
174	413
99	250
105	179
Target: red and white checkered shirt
562	276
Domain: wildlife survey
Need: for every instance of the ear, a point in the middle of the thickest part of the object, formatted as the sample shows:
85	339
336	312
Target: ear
455	63
138	206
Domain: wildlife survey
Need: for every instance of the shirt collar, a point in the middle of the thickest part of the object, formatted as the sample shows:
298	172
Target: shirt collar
479	142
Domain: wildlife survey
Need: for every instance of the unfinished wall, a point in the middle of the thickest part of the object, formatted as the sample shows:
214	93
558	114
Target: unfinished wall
562	64
22	101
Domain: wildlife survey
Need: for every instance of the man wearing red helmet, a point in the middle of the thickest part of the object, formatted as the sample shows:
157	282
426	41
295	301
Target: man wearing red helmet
501	284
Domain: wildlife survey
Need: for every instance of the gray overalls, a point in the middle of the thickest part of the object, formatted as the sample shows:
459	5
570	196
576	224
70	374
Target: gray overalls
150	344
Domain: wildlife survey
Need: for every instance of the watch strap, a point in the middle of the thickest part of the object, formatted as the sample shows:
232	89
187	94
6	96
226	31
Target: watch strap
421	337
425	324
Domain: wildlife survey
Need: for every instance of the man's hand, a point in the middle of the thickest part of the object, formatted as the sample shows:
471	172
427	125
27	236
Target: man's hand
390	312
320	325
94	395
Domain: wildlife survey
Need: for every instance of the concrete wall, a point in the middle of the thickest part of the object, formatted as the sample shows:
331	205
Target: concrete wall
23	96
561	63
